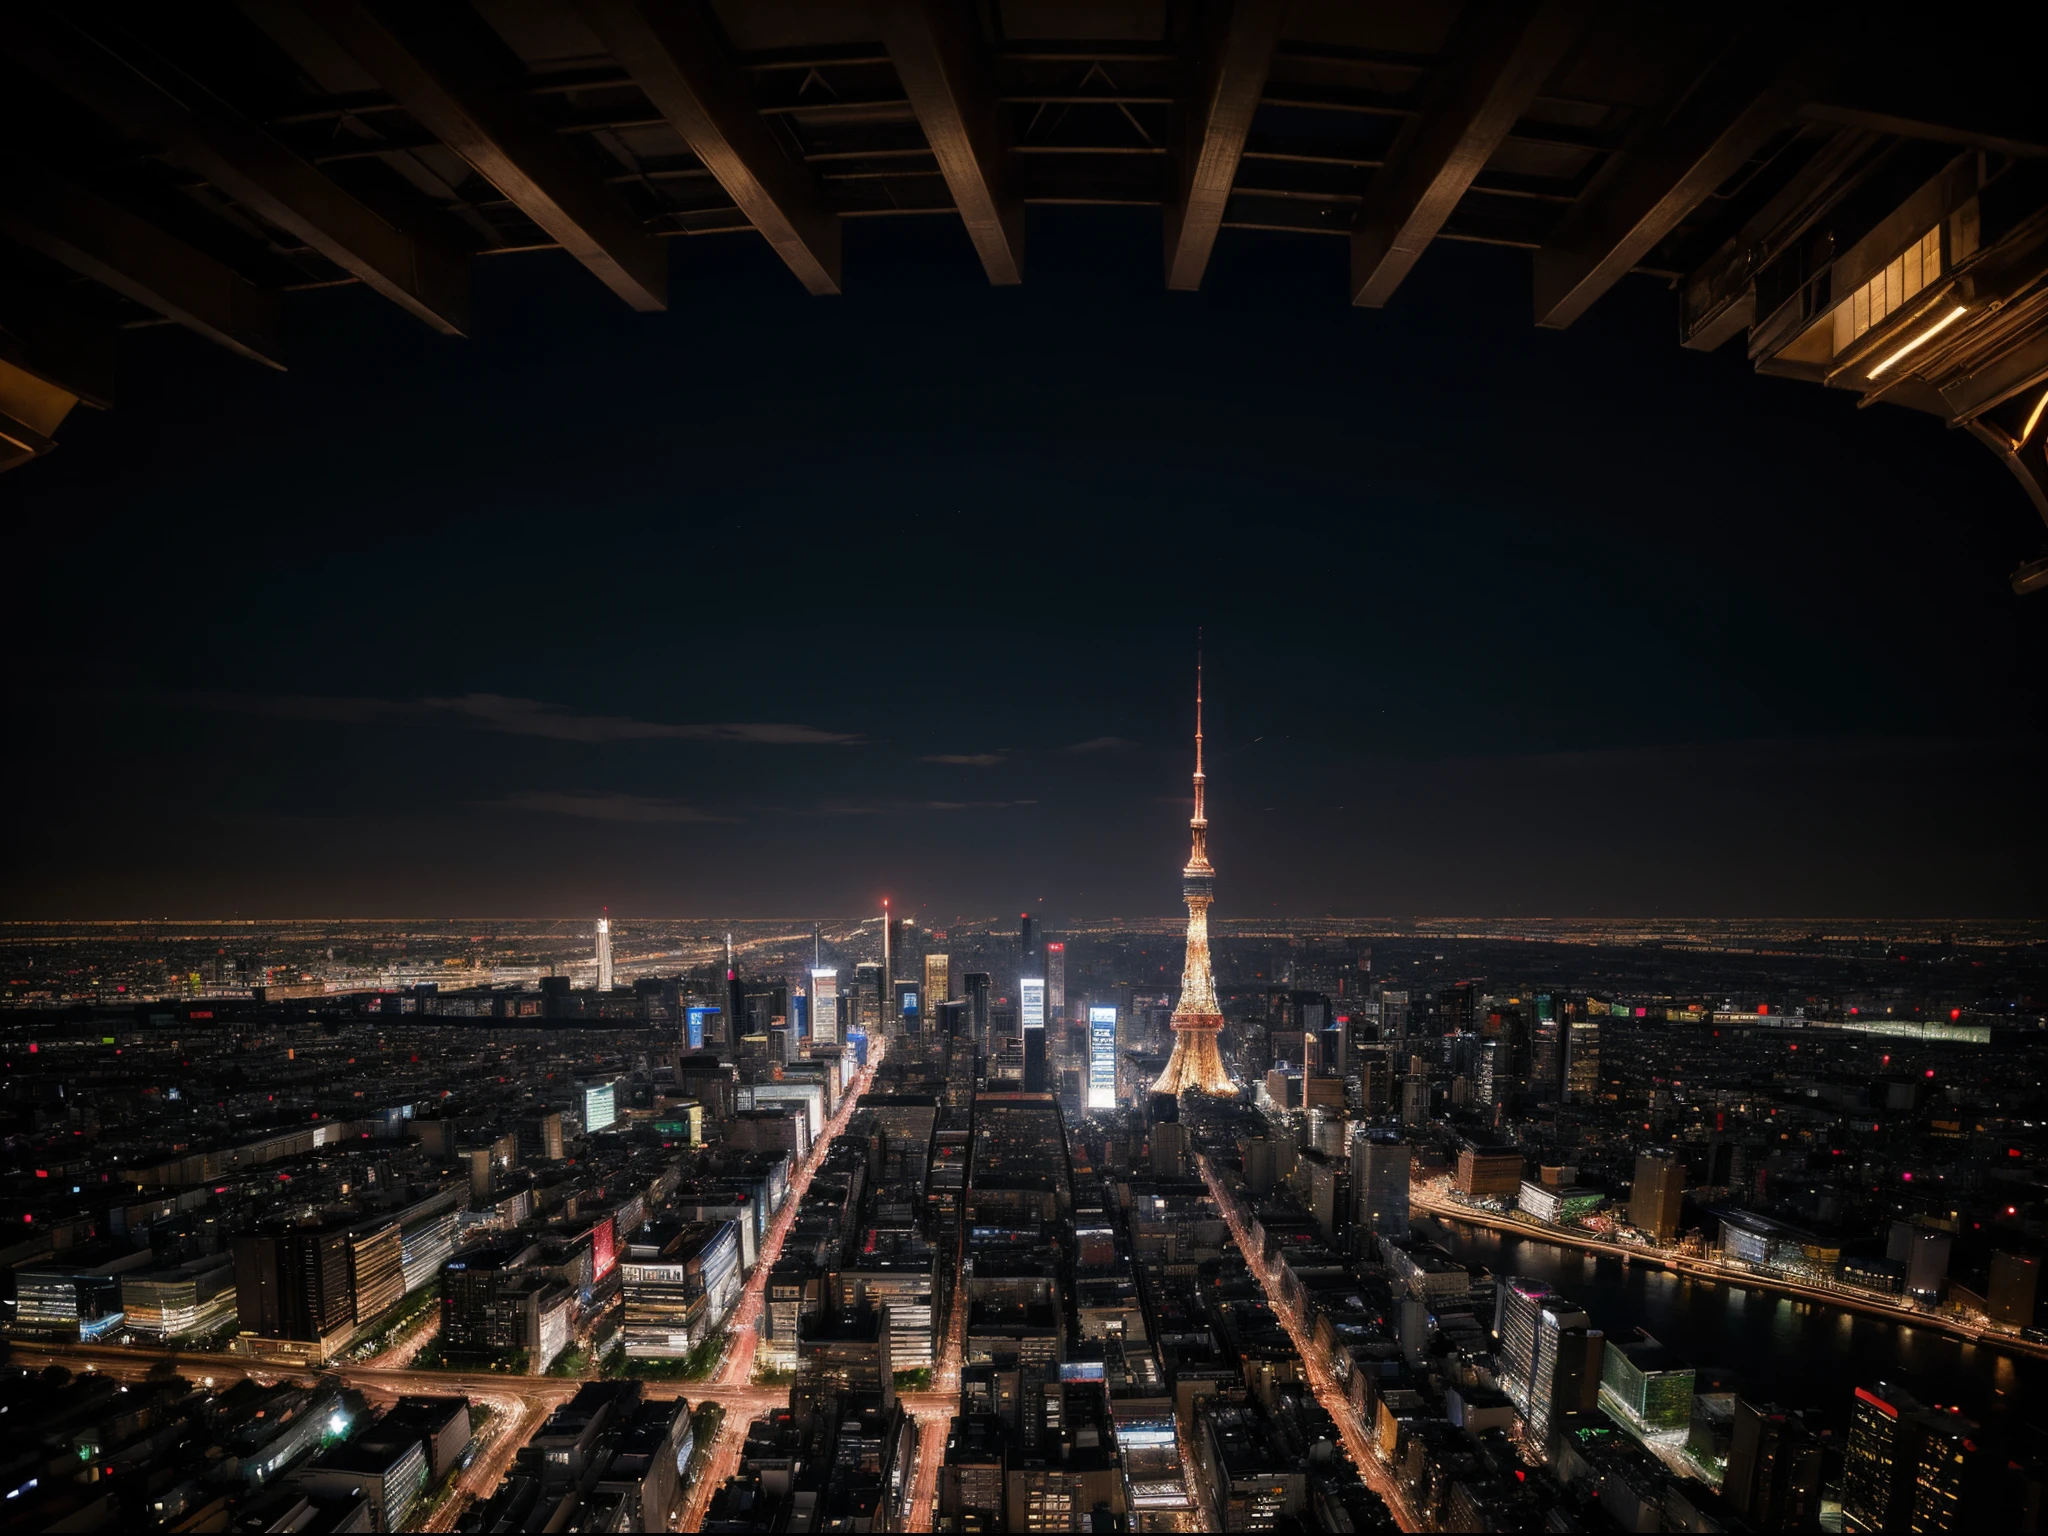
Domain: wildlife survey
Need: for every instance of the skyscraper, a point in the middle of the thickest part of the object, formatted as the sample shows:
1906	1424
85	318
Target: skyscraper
1775	1463
1379	1185
938	980
1581	1056
1197	1019
1880	1466
735	998
1102	1058
825	1007
1056	980
604	952
1654	1202
974	987
1546	1049
1030	957
1031	998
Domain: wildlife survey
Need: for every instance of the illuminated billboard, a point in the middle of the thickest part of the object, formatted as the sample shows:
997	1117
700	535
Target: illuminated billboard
697	1016
825	1007
1102	1058
1031	991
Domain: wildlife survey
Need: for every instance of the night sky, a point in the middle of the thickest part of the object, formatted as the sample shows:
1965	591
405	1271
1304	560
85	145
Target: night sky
775	605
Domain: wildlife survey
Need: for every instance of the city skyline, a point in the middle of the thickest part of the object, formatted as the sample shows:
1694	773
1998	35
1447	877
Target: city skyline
1503	687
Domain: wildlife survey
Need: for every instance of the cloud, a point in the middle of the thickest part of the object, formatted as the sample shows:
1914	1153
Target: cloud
902	807
1100	744
590	806
964	759
515	716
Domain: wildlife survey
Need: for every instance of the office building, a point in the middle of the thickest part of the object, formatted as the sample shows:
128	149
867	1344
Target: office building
825	1012
376	1269
2015	1279
1881	1462
938	980
869	983
1030	957
295	1285
1775	1465
1102	1058
599	1104
182	1301
1581	1055
1644	1389
1056	980
1653	1204
388	1470
1031	997
678	1295
1379	1185
538	1135
604	954
975	990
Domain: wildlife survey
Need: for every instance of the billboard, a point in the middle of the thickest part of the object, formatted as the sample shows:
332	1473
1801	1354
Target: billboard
696	1026
1102	1058
825	1007
1031	991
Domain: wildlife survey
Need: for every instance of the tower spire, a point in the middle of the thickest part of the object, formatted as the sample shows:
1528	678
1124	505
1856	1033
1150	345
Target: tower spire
1201	780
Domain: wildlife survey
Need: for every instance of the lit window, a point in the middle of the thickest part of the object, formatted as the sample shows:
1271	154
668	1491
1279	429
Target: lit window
1910	271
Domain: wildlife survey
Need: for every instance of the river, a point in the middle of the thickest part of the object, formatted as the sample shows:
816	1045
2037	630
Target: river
1796	1353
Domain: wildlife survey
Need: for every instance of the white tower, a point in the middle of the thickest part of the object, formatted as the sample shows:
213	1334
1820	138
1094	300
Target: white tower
604	952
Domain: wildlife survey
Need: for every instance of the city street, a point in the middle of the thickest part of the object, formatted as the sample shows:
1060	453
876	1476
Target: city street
1364	1452
743	1334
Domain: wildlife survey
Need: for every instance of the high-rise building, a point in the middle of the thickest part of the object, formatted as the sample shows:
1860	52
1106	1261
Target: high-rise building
1031	1000
868	986
906	951
2015	1281
1653	1204
1394	1015
1517	1316
825	1007
376	1269
295	1284
1056	979
906	1007
938	980
1546	1048
600	1105
1881	1464
1775	1462
1030	957
1581	1056
735	998
604	953
1197	1018
539	1133
1379	1185
1565	1378
700	1027
974	988
1102	1058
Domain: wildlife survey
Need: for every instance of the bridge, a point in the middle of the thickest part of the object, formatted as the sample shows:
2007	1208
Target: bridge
1855	197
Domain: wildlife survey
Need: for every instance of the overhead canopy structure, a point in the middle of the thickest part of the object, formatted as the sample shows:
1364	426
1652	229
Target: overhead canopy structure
1859	198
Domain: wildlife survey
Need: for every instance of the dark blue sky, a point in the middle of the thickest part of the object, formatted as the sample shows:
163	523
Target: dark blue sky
1499	620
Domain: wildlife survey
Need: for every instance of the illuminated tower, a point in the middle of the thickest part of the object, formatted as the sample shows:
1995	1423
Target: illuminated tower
604	951
1197	1020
